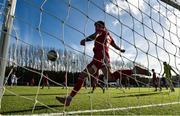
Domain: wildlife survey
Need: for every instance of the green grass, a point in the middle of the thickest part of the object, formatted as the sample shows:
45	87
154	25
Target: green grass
23	99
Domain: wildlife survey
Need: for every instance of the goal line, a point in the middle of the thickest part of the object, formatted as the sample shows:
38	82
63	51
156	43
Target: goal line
111	109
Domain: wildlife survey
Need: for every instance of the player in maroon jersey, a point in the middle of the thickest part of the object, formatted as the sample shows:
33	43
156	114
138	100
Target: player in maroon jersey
155	80
45	81
98	80
101	60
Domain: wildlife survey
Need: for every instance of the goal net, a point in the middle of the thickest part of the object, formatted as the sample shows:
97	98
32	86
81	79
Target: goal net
148	30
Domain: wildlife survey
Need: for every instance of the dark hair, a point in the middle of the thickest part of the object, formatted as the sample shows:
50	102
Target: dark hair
101	23
164	63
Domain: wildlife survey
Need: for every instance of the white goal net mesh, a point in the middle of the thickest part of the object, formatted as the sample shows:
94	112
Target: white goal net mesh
149	31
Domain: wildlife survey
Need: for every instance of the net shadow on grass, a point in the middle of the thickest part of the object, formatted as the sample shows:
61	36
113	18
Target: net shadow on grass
44	94
140	94
30	109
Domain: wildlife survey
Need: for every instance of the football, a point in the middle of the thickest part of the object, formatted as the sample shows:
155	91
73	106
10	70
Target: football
52	55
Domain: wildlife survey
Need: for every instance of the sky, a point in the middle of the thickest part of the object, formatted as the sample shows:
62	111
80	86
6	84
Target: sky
136	26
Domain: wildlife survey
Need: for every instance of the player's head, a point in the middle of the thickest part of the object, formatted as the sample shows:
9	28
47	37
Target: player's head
164	63
152	70
99	25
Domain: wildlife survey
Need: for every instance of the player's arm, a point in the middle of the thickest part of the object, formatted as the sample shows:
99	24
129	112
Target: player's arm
174	71
113	44
89	38
163	74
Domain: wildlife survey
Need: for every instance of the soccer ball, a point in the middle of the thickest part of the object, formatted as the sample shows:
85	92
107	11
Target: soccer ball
52	55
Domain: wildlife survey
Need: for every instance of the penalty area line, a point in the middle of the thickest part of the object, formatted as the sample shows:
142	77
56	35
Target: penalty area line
112	109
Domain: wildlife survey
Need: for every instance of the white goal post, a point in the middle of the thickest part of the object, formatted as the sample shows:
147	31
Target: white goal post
4	40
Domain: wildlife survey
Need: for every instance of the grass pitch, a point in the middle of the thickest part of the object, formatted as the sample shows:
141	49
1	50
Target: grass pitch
135	101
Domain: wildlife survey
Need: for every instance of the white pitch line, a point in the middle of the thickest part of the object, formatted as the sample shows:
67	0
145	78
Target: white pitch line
110	109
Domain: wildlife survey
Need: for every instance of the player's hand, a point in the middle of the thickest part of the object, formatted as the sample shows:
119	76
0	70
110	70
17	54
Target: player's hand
83	42
122	50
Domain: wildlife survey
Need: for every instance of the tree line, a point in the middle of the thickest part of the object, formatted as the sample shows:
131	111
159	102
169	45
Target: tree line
26	60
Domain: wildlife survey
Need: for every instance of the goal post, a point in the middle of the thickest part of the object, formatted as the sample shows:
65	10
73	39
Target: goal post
4	40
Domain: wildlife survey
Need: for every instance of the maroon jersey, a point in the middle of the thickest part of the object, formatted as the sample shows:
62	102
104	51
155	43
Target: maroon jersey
45	80
154	77
103	41
101	49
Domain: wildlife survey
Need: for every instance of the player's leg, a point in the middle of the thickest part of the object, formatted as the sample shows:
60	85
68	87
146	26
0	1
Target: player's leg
171	84
48	84
90	70
42	86
116	76
120	82
97	82
166	84
127	74
12	81
94	84
107	74
164	80
155	84
128	82
159	84
101	83
101	86
94	79
85	83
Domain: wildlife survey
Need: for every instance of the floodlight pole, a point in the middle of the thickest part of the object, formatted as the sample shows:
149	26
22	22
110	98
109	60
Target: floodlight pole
4	41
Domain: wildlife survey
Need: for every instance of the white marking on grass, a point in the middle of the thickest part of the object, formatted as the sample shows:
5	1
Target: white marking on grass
111	109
